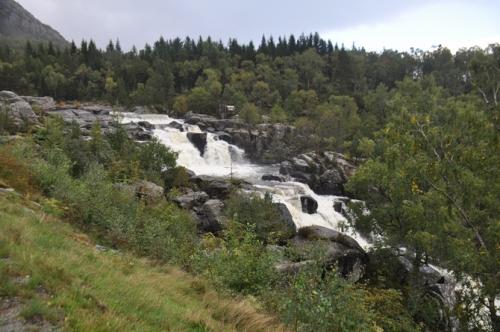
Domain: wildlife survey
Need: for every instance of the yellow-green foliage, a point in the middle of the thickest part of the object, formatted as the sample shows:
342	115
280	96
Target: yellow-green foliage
79	288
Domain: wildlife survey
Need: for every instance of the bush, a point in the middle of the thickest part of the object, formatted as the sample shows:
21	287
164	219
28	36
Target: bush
167	233
154	158
6	124
241	264
13	172
176	177
317	302
262	213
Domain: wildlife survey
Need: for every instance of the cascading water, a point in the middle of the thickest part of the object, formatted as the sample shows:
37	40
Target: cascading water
223	160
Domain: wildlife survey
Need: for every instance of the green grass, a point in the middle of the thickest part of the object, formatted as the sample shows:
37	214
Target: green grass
69	283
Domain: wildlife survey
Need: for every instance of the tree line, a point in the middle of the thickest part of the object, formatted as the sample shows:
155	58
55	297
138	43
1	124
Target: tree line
324	89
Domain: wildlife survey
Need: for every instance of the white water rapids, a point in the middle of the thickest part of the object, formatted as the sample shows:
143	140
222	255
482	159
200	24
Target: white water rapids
221	159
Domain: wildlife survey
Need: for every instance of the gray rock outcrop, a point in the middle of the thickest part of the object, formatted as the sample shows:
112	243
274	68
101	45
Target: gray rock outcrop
16	23
340	251
326	173
19	114
263	143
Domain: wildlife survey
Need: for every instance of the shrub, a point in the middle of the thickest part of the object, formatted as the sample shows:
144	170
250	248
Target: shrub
176	177
6	124
14	172
261	212
167	233
241	264
317	302
154	158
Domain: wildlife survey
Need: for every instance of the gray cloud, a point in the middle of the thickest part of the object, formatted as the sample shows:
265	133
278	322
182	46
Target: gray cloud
138	22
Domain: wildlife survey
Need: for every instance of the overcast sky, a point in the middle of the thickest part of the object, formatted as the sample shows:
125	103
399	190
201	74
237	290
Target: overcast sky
374	24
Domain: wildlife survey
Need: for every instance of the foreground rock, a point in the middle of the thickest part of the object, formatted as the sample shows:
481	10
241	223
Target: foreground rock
326	173
19	113
191	199
148	191
210	216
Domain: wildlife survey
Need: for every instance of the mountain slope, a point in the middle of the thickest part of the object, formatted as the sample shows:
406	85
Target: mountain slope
18	25
54	277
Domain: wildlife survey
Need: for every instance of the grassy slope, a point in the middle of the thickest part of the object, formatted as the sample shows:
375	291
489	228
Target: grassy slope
73	285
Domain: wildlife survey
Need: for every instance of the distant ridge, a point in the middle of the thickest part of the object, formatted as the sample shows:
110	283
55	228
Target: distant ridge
18	25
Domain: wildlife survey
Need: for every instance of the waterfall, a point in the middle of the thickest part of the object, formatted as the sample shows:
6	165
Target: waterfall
223	159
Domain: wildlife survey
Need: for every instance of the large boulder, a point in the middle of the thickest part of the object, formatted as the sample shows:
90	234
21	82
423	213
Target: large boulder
397	267
176	125
326	173
19	113
148	191
309	204
341	251
199	140
43	103
210	216
141	131
315	232
215	187
191	199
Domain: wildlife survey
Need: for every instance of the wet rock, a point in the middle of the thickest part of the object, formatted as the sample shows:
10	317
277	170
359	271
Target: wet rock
146	125
143	136
309	204
139	131
223	136
191	199
337	206
272	177
176	125
199	140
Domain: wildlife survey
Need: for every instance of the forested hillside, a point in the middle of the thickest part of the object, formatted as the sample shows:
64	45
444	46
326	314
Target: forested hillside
339	93
420	128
